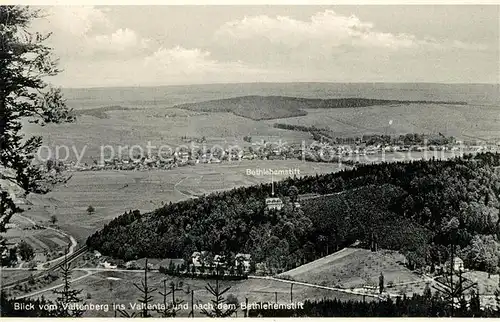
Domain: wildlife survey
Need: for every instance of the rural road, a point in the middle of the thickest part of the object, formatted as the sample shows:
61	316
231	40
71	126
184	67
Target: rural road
331	194
89	273
99	269
312	285
71	238
14	269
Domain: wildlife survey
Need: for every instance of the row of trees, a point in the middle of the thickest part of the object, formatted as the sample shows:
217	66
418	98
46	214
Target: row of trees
171	303
409	139
415	306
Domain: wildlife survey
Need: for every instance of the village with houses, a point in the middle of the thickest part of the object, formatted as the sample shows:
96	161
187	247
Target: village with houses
355	150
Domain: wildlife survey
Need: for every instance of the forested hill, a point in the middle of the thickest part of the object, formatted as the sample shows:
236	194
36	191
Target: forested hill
274	107
417	207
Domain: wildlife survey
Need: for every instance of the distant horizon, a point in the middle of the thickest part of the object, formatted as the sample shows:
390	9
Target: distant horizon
291	82
139	46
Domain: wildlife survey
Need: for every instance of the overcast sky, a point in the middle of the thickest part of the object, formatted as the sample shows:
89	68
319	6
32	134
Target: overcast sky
160	45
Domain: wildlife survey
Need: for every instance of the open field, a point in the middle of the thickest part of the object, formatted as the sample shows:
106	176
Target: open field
358	268
129	116
488	284
354	268
462	121
38	285
160	126
42	240
8	276
112	193
117	287
165	126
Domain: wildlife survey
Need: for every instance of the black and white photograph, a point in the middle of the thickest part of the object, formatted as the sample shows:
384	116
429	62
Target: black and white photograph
231	161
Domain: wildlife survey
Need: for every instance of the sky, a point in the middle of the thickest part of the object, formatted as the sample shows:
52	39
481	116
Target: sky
102	46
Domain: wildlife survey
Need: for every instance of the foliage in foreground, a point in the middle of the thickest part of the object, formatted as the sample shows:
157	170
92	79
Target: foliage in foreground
25	63
415	306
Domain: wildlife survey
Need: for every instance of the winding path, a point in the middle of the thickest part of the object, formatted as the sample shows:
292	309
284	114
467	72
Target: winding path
71	238
182	193
89	273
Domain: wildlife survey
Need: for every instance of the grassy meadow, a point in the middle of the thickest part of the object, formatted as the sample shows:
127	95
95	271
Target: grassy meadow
117	287
354	268
467	122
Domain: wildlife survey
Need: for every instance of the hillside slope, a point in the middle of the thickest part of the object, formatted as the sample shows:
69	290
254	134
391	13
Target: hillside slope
274	107
353	267
417	208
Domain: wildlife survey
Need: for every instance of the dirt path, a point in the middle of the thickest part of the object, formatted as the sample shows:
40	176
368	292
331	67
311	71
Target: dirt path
177	190
315	286
89	273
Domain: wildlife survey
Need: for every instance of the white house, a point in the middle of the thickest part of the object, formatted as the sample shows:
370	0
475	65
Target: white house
274	203
131	265
458	265
197	258
244	259
97	254
219	260
5	253
108	265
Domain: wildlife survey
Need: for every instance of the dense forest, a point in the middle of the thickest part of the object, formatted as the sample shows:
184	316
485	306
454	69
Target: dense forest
426	305
418	207
102	112
274	107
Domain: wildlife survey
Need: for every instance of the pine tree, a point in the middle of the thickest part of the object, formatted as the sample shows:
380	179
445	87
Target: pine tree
455	286
381	283
475	303
68	297
90	210
146	292
8	309
218	302
427	291
125	314
170	309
